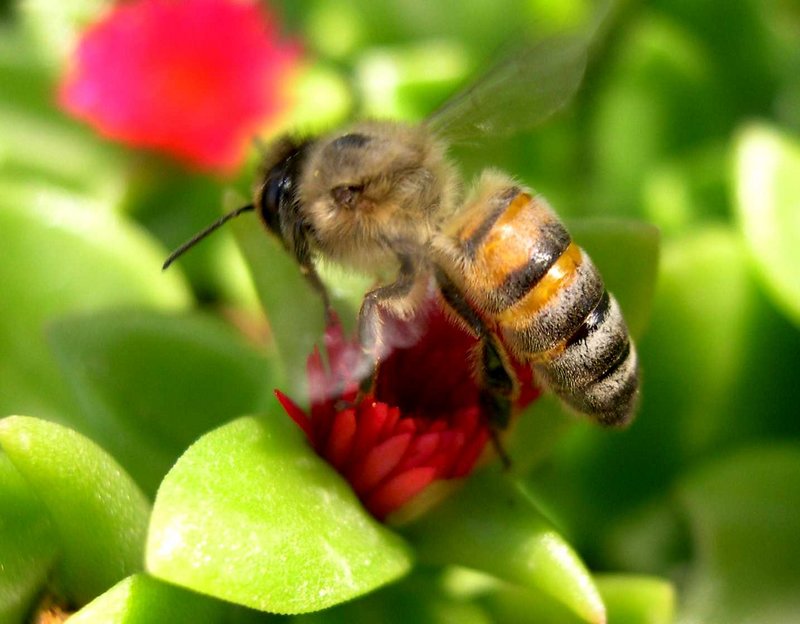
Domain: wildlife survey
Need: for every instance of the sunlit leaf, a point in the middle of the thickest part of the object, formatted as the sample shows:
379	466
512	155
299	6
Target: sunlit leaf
419	599
63	255
150	384
98	513
28	544
142	599
57	25
493	526
251	515
629	599
294	311
768	206
637	599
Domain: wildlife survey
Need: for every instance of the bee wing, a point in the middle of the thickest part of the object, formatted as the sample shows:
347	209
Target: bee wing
518	93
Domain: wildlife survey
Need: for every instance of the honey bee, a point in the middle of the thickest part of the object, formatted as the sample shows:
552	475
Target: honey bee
384	195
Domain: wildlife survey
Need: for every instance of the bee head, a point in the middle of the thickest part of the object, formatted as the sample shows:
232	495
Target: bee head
276	190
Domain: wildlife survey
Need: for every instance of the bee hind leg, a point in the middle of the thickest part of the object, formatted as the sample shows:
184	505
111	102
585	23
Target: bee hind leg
496	384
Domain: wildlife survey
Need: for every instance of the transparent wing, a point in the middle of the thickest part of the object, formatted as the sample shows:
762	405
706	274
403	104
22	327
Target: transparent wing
518	93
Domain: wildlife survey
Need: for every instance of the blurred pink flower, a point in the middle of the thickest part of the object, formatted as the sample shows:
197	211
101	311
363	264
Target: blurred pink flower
424	423
196	79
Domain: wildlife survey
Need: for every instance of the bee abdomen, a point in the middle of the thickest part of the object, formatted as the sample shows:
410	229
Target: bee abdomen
596	369
548	301
554	309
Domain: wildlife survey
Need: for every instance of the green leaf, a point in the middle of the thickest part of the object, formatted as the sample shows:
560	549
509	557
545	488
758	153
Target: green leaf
149	384
743	516
536	431
96	509
141	599
295	312
37	142
493	526
57	25
697	349
627	254
323	97
251	515
767	179
655	100
629	599
63	254
634	599
409	82
419	598
28	544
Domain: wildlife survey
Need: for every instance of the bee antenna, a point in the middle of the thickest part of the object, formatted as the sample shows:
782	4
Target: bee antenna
203	233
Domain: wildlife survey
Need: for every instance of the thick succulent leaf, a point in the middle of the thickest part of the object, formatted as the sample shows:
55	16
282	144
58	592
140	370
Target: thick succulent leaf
36	141
294	311
64	254
626	252
717	362
149	384
536	431
251	515
493	526
142	599
58	25
655	100
743	514
99	514
637	599
767	181
419	599
28	544
628	599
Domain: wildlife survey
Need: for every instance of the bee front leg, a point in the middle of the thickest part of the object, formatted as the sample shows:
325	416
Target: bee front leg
313	278
369	320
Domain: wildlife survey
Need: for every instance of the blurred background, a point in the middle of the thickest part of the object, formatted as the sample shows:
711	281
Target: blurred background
688	119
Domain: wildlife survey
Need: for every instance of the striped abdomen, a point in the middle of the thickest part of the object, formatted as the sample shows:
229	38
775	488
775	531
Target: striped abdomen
521	270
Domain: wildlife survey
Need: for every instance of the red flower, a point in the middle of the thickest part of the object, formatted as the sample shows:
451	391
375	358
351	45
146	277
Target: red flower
193	78
423	424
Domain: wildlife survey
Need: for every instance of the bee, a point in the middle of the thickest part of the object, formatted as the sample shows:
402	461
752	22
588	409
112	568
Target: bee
382	195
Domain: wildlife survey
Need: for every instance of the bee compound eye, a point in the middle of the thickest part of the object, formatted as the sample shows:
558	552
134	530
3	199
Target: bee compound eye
272	194
269	204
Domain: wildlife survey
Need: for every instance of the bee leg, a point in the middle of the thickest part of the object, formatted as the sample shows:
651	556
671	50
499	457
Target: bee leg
302	254
496	383
496	391
369	320
313	278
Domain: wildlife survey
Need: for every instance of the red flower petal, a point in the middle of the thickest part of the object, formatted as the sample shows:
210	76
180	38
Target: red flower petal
195	79
296	414
470	454
340	442
422	449
390	452
390	423
378	463
372	417
399	490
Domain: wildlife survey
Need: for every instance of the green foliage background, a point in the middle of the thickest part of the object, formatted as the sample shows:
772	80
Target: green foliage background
688	120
